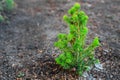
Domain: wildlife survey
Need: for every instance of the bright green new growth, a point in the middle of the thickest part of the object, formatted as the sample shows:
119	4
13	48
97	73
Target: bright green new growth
5	5
75	52
9	4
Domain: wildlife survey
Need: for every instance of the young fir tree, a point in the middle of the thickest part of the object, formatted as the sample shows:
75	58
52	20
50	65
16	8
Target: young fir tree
75	53
5	5
9	4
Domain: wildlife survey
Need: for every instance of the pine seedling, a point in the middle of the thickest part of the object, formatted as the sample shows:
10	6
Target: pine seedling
5	6
9	4
75	52
1	18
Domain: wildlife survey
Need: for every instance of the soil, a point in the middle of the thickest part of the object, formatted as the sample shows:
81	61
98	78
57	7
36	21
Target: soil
26	40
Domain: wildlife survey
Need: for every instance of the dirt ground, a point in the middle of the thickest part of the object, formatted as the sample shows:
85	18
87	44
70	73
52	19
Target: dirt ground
26	42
